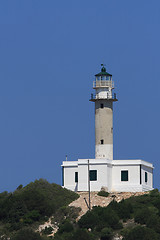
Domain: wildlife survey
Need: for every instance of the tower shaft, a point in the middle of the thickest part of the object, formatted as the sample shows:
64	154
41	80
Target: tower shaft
104	129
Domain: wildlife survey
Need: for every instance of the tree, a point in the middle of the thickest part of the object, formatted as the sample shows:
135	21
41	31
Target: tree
26	234
141	233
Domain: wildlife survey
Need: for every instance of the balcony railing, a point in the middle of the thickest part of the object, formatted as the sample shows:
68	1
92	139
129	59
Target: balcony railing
103	83
108	96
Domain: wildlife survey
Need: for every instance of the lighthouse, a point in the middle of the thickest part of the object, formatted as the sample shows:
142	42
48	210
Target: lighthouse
103	99
104	172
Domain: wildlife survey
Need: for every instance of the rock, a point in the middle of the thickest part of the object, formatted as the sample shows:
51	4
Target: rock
105	189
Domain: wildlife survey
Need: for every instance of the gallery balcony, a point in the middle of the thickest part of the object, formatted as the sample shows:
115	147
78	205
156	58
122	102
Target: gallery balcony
109	97
103	84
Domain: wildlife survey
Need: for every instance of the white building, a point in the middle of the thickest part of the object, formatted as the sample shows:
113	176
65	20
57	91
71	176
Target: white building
103	171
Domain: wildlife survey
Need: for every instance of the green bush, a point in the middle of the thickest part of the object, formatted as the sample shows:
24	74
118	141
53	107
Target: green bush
99	218
106	233
156	204
65	227
103	194
141	233
142	215
82	234
70	213
26	234
32	216
123	209
154	223
47	230
89	220
154	193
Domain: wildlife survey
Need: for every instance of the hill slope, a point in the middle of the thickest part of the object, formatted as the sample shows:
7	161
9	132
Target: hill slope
136	218
24	210
31	204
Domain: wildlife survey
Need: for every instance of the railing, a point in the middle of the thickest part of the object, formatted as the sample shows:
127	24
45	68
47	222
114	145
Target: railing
108	96
103	83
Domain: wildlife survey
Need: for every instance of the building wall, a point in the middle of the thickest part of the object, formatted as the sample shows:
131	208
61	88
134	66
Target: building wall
102	179
83	177
102	174
69	177
109	175
147	185
133	183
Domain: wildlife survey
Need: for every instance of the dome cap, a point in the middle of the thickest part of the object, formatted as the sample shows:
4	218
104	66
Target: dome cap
103	72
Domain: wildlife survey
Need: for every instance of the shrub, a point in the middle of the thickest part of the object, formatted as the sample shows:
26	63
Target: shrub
154	193
47	230
123	209
26	234
65	227
89	220
82	234
99	218
141	233
103	194
31	216
154	223
70	213
106	233
142	215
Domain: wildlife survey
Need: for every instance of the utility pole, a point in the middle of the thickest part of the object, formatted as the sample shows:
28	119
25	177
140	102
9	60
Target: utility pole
89	192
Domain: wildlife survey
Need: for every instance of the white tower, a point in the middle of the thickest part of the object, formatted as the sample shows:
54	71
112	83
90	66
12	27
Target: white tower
103	99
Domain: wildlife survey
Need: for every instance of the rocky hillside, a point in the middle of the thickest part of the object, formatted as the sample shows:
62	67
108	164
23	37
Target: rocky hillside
42	211
119	216
28	207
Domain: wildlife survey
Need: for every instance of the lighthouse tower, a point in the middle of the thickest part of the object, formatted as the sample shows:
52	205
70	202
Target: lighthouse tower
103	99
102	172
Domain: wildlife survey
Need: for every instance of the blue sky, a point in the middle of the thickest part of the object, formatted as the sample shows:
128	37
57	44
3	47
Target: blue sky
49	54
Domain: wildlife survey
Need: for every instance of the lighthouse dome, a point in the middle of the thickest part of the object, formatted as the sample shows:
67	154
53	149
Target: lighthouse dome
103	75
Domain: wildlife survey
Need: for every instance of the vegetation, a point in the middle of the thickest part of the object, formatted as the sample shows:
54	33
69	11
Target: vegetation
27	234
134	218
31	204
24	209
65	212
103	194
100	222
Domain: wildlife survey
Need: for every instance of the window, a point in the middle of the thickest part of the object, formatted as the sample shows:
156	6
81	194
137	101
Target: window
76	176
146	177
102	106
124	175
103	77
102	141
93	175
